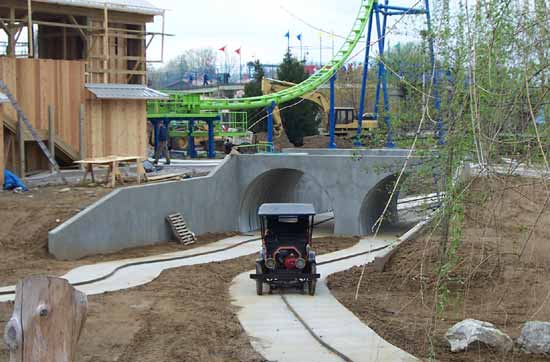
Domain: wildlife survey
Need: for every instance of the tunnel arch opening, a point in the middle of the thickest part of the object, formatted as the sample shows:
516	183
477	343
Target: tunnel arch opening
374	203
280	185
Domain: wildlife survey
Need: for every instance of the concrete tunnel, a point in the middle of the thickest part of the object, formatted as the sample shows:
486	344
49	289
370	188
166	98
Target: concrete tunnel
280	185
374	203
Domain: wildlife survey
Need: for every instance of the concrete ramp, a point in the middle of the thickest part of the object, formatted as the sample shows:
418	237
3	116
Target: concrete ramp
353	184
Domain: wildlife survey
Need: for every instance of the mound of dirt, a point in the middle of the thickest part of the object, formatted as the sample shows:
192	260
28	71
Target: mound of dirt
26	219
489	281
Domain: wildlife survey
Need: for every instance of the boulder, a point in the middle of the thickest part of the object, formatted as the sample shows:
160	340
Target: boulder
535	338
463	334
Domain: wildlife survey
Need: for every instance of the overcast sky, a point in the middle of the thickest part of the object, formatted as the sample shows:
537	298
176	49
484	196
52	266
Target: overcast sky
259	26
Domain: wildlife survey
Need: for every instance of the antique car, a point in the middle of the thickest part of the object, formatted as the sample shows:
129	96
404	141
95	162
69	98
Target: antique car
286	259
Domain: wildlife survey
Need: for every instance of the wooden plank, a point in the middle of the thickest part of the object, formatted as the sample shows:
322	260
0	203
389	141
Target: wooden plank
30	32
82	131
21	148
117	71
47	321
51	134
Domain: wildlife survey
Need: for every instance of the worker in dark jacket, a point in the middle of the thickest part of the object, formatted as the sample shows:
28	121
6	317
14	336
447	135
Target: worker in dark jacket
162	148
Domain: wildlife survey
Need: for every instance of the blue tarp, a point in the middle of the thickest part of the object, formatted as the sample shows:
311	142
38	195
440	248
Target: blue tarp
12	182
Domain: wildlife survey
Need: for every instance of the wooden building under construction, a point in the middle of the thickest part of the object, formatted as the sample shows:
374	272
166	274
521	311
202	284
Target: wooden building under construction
78	70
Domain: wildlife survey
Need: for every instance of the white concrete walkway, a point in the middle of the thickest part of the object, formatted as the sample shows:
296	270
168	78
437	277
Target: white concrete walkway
277	335
133	276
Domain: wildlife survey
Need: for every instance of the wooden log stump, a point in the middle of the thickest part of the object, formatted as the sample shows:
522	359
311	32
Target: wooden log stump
47	321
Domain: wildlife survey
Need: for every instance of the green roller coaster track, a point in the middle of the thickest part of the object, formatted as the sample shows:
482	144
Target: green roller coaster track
194	105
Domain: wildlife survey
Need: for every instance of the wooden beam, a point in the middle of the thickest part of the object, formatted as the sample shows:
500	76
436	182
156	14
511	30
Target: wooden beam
82	132
21	145
5	27
106	43
11	37
79	28
47	321
117	71
30	32
51	134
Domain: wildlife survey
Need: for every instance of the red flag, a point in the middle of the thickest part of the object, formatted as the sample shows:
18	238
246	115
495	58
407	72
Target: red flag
238	51
222	49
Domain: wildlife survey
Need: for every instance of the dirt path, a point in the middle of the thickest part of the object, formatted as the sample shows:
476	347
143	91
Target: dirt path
184	315
489	282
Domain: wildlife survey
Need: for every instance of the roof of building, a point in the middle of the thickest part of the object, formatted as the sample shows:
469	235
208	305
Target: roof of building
128	6
286	209
3	98
125	91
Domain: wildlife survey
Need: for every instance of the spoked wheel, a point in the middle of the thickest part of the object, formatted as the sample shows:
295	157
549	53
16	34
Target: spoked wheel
311	284
259	282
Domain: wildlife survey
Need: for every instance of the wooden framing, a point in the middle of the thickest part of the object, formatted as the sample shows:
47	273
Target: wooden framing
74	46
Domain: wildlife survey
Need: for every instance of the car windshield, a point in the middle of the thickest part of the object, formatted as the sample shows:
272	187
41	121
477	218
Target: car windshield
288	226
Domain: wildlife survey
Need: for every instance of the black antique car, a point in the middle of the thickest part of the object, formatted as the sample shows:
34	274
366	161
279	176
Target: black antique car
286	258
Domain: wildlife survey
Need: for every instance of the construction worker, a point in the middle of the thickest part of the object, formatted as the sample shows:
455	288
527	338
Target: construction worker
227	146
162	148
205	79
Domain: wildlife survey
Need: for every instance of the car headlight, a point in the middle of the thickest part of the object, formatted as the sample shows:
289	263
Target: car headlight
270	263
300	263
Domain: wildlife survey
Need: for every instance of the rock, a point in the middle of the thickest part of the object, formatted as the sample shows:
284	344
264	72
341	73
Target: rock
65	190
463	334
535	338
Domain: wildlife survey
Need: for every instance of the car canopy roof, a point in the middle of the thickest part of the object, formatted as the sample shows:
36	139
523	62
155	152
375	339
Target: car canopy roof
286	209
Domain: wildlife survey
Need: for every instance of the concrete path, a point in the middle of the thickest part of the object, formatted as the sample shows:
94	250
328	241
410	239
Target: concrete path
136	275
279	336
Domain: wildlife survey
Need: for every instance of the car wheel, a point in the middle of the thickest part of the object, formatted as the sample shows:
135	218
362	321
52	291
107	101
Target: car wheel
312	284
259	282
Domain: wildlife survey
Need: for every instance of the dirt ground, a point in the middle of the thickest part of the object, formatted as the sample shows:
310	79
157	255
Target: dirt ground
184	315
489	282
25	220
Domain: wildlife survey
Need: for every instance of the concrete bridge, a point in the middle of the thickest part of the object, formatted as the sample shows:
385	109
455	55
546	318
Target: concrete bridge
355	185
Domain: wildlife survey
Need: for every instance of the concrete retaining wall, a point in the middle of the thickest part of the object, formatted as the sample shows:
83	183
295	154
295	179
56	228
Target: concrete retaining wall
228	199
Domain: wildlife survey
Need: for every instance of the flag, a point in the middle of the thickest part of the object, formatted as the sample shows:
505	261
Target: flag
287	35
238	51
222	49
299	37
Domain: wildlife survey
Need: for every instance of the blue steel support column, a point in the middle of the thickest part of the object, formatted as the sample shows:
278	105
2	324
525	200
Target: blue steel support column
332	143
191	151
383	79
270	126
358	142
435	79
211	147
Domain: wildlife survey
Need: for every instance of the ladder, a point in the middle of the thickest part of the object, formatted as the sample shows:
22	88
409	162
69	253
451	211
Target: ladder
21	116
180	230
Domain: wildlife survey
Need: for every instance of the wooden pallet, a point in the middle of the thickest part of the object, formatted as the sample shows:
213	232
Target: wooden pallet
179	229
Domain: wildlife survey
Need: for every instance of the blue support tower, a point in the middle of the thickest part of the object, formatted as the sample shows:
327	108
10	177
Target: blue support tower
191	151
382	78
270	126
358	142
211	145
389	10
435	75
332	143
